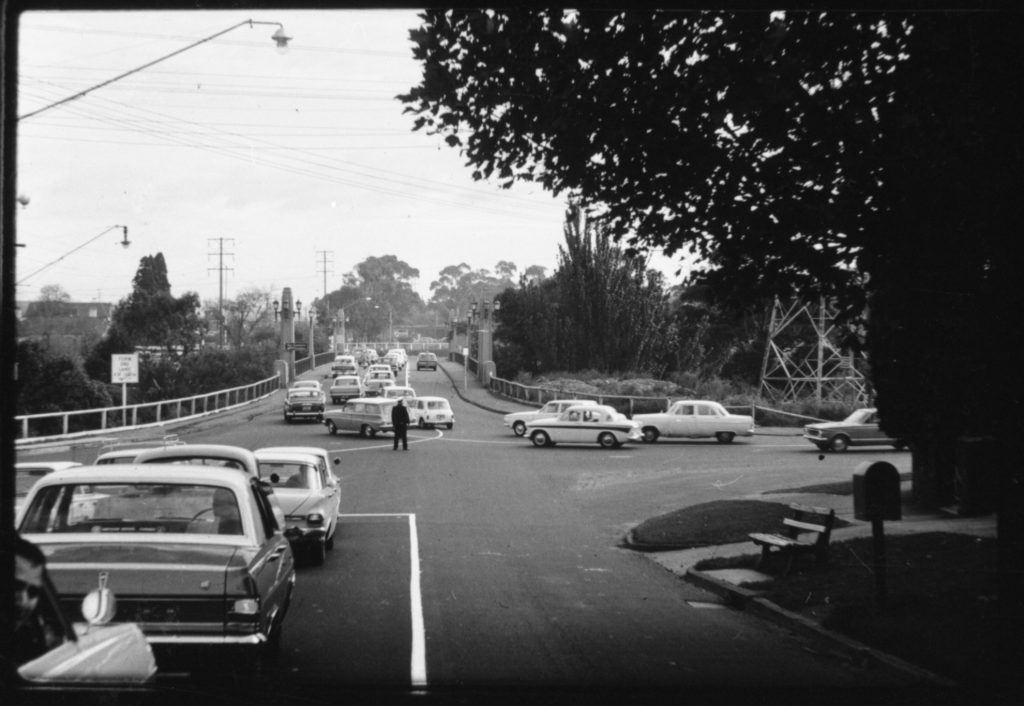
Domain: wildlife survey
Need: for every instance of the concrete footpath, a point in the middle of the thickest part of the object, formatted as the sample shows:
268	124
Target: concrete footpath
734	585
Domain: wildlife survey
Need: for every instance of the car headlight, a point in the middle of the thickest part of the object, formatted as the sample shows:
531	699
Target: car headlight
315	519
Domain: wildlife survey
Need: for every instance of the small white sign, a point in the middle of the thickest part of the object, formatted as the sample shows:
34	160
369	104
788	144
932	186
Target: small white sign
124	368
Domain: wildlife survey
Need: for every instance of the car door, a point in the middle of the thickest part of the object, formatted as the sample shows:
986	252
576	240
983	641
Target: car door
867	431
273	566
683	421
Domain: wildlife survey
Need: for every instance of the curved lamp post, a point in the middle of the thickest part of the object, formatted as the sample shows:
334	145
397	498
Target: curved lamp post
280	38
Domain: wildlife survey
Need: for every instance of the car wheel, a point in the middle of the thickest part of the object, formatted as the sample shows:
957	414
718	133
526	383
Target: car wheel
329	542
607	440
450	425
651	435
331	427
420	423
334	400
287	419
364	431
840	442
899	445
372	432
518	428
725	437
540	438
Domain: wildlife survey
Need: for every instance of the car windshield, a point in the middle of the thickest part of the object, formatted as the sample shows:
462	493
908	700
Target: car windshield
861	416
135	508
287	474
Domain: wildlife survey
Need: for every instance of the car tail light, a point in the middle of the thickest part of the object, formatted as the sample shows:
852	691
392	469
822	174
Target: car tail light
315	519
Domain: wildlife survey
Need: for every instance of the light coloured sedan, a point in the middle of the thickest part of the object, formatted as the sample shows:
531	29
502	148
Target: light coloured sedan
309	497
584	424
695	419
192	551
346	387
517	421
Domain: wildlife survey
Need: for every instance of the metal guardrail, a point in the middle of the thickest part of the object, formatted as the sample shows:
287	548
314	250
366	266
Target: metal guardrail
85	422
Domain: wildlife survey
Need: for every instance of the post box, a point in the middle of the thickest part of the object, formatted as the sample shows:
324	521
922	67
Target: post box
876	491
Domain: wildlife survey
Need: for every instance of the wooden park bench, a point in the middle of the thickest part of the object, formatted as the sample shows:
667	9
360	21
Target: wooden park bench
807	532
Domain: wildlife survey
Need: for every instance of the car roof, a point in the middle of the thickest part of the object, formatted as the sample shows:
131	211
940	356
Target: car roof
157	472
316	450
375	400
430	398
288	456
236	453
578	402
51	466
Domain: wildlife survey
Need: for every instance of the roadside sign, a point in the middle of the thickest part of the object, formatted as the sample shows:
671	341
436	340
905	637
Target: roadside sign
124	368
301	347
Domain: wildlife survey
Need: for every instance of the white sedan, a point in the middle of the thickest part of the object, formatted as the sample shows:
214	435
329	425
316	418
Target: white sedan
584	424
695	419
518	420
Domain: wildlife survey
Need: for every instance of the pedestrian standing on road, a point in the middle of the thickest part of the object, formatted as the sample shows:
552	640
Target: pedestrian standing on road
400	421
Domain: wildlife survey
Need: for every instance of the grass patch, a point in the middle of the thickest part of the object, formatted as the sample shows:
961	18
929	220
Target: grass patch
941	610
706	524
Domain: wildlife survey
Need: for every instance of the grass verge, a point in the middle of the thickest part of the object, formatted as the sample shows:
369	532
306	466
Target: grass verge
940	611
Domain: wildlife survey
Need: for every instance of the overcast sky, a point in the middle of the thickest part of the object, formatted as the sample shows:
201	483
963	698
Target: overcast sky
291	164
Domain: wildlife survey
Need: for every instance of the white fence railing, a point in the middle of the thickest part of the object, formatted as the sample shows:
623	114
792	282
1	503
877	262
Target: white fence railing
85	422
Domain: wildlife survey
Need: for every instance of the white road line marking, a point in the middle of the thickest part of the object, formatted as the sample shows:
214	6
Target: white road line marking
419	643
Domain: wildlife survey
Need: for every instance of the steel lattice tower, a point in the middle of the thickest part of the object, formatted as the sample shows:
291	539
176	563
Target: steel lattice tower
802	360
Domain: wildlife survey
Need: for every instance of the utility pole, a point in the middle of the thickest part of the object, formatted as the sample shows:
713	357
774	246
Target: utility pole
220	268
323	264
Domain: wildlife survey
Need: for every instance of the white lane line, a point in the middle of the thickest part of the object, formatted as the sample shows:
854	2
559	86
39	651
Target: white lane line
419	643
418	658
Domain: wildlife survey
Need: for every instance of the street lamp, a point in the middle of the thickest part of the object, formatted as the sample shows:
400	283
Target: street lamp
280	40
312	345
124	243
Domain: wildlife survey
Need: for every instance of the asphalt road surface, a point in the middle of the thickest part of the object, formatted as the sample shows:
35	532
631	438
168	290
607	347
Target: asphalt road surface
474	560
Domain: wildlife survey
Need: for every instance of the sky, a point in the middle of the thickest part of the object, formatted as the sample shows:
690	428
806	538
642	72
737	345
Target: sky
239	162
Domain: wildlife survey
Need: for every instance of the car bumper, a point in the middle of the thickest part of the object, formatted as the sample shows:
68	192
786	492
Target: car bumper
306	413
305	535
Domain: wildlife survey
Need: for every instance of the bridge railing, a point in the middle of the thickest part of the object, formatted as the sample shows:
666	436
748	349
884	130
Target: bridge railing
85	422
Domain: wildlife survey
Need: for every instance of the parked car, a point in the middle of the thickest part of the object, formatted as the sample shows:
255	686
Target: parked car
309	497
518	420
858	429
426	361
304	403
346	387
584	424
695	419
430	412
368	416
27	473
194	553
375	380
344	365
393	392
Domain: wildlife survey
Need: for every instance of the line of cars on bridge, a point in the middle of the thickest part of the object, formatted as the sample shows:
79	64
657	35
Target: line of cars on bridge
198	542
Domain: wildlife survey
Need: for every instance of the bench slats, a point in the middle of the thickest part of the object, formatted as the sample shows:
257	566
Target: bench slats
790	544
809	526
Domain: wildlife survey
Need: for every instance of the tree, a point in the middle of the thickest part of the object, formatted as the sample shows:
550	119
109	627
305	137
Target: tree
53	302
150	317
747	138
601	310
49	383
248	311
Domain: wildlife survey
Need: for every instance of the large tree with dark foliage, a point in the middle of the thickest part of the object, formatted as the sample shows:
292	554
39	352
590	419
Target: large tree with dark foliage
868	157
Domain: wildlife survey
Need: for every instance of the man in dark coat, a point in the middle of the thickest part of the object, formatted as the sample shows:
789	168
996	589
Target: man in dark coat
400	421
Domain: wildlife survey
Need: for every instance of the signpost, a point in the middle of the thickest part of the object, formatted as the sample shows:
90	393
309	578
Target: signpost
124	369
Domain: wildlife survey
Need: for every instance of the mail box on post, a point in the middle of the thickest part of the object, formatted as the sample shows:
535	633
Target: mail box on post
876	491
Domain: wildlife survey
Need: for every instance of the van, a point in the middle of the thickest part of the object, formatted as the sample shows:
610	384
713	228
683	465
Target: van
367	416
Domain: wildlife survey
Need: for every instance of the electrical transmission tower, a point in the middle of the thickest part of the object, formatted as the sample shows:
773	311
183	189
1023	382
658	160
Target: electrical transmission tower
220	269
323	264
803	361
